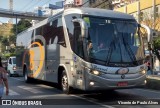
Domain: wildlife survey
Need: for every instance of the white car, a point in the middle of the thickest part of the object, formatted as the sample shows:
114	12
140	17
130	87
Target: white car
11	67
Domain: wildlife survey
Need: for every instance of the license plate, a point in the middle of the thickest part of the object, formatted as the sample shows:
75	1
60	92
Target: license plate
120	84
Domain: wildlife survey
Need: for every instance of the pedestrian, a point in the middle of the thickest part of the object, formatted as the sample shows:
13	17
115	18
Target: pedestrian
149	72
3	80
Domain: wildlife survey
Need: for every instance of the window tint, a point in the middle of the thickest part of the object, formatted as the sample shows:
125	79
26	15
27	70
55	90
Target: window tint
24	38
52	32
78	43
10	61
74	33
70	27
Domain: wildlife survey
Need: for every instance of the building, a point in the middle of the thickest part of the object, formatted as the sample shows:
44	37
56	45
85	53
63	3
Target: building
105	4
49	9
145	11
38	11
121	3
60	4
69	3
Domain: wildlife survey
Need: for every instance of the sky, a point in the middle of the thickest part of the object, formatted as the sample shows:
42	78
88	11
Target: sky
23	5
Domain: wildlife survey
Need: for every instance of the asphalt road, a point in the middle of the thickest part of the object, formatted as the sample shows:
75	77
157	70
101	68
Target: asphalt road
116	99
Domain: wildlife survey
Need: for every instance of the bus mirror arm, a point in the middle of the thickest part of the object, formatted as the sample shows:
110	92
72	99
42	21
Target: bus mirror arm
84	27
149	32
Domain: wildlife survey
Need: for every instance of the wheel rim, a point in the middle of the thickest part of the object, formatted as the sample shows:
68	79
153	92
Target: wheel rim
64	82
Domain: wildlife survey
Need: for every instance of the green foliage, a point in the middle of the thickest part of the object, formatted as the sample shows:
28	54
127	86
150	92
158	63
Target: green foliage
21	26
7	55
4	41
1	38
156	43
12	39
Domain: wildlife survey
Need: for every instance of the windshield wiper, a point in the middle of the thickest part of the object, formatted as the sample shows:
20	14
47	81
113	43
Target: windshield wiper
129	50
110	51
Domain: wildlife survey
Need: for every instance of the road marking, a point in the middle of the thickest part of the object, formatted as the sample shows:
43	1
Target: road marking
93	101
11	92
47	96
44	86
17	79
30	89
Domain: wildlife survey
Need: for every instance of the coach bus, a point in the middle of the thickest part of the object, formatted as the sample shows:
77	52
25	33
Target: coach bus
84	48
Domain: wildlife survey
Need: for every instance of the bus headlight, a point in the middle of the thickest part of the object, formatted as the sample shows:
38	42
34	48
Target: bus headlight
14	67
95	72
143	71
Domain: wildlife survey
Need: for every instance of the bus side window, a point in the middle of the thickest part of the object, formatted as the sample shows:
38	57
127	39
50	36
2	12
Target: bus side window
53	31
60	31
78	39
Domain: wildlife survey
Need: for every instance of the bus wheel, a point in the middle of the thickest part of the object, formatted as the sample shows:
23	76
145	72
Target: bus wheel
26	78
64	83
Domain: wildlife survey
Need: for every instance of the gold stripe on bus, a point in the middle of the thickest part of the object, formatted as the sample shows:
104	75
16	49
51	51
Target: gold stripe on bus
35	74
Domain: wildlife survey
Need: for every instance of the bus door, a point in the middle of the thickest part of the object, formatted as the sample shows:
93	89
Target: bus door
53	50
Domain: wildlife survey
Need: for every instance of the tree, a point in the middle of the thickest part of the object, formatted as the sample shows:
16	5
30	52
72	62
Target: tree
22	25
5	41
12	39
154	24
151	22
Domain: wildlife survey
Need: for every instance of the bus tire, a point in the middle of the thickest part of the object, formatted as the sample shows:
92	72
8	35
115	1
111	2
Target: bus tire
26	78
64	83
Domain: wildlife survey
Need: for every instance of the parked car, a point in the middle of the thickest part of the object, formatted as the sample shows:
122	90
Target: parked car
11	67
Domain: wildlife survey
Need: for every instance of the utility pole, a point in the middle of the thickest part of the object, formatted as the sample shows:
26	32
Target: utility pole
11	8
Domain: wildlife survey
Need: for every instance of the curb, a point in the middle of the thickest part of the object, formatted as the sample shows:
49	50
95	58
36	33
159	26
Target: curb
154	77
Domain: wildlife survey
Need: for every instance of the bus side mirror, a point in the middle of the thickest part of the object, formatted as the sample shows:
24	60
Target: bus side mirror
149	32
84	27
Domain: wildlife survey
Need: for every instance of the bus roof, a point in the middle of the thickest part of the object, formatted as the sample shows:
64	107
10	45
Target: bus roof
98	12
85	11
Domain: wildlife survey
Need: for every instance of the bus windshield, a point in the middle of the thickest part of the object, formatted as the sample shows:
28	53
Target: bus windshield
14	60
115	42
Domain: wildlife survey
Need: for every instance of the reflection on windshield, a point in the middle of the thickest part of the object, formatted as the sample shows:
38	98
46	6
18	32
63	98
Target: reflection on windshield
114	41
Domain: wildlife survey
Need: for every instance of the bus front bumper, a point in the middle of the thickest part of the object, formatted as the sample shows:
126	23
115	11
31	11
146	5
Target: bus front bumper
115	82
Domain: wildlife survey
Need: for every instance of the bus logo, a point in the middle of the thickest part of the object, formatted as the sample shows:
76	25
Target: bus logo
122	71
41	59
123	76
36	54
